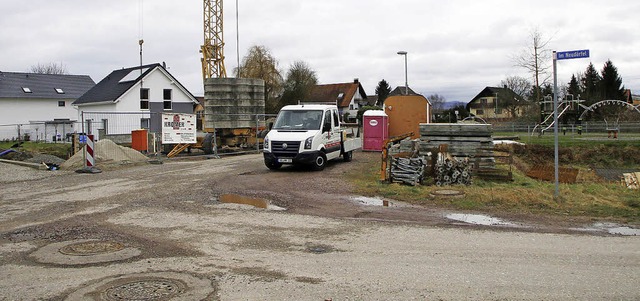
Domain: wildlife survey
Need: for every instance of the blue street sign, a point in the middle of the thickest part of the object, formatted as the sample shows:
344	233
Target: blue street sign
573	54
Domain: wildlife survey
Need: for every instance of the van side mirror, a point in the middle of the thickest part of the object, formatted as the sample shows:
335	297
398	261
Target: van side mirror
270	125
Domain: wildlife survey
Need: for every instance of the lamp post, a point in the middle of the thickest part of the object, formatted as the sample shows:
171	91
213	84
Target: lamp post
406	80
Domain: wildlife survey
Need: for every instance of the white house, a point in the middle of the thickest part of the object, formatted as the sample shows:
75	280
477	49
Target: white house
349	97
38	106
131	99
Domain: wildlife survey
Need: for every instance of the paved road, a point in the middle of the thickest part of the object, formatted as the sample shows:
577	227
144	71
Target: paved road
159	231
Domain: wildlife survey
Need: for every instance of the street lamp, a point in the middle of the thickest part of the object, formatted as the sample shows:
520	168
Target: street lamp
406	80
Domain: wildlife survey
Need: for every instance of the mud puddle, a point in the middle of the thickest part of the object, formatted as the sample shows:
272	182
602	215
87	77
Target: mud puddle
479	219
372	201
248	201
611	228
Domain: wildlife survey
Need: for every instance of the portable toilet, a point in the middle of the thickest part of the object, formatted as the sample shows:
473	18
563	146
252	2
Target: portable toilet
375	130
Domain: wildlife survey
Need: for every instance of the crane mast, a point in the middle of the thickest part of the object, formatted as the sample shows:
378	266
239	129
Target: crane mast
213	48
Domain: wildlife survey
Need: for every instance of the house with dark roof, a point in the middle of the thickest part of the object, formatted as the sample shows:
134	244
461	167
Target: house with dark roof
133	98
349	97
402	90
497	103
39	106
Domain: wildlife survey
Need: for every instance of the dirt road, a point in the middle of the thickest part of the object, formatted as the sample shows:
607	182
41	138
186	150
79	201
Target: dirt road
159	232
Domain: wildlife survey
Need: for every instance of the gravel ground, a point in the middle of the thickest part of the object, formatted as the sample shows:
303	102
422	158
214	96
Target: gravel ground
15	173
166	234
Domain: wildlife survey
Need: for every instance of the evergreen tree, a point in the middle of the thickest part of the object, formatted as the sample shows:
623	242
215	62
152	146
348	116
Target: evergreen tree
574	87
590	83
611	83
382	90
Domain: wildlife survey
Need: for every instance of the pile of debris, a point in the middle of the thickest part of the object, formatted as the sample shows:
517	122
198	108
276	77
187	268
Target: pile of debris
450	171
408	170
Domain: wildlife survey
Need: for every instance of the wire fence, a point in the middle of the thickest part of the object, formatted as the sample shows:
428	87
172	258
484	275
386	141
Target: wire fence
585	127
51	132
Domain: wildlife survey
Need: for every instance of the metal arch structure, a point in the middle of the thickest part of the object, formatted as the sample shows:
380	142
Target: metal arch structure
601	103
213	48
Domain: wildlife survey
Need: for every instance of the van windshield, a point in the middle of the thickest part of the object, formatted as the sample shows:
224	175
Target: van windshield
298	120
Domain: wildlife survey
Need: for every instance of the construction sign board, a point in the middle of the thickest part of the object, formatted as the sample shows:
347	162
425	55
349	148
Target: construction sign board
178	128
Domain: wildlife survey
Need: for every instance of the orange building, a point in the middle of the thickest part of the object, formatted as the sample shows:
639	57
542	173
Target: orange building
406	112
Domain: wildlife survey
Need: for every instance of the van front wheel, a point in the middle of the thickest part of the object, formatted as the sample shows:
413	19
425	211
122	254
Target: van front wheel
320	162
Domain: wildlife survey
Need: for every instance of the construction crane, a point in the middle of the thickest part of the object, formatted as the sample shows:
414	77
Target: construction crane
213	48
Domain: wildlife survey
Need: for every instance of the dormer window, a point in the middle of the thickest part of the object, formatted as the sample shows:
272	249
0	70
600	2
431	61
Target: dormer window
26	90
340	96
59	91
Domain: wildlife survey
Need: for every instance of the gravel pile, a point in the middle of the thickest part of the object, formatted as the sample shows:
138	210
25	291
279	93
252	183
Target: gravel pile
106	152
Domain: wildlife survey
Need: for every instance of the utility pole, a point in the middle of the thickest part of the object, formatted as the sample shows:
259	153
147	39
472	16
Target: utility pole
406	80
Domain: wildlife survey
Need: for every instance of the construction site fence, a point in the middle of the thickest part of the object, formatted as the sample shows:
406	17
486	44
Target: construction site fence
50	132
119	126
585	127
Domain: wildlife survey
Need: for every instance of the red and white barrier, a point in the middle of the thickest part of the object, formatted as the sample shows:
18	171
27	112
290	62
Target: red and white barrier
89	154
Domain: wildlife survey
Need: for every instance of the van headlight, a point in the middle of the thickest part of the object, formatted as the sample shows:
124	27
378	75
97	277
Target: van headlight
308	143
266	143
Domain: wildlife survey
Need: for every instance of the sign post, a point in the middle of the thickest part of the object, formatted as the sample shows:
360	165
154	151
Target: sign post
564	55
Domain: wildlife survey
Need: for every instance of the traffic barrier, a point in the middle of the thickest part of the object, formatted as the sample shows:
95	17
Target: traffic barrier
90	160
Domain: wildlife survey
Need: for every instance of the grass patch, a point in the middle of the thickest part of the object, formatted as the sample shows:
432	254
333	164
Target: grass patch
61	150
593	199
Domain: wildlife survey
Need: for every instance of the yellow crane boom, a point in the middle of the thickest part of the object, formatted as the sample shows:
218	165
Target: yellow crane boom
213	48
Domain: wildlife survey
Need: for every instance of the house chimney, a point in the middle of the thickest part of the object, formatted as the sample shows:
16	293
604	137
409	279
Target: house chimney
356	80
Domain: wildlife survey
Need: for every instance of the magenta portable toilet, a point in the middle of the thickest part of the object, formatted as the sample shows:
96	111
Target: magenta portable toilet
375	125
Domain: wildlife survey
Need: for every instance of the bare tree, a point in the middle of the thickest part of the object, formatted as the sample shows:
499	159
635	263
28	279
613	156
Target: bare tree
300	79
260	63
535	58
437	102
50	68
518	85
521	87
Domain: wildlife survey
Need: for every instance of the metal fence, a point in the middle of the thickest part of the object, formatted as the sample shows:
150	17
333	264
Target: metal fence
586	127
51	132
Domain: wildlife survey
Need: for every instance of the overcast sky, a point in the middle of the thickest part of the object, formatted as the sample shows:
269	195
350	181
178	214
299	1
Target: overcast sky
455	48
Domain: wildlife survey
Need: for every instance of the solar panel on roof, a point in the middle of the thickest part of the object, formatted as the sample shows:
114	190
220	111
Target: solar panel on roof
133	74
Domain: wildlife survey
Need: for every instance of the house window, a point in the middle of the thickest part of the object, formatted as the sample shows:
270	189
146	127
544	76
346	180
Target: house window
105	126
166	96
499	111
144	123
88	128
483	101
26	90
61	103
479	112
351	107
144	98
59	91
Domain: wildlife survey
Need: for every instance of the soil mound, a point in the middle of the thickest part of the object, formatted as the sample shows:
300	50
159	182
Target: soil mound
106	152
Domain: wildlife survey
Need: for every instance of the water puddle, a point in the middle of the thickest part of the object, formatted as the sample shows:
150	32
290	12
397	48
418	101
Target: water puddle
369	201
478	219
614	229
244	200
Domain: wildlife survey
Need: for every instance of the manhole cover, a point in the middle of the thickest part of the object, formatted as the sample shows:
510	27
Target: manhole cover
90	248
84	251
144	289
